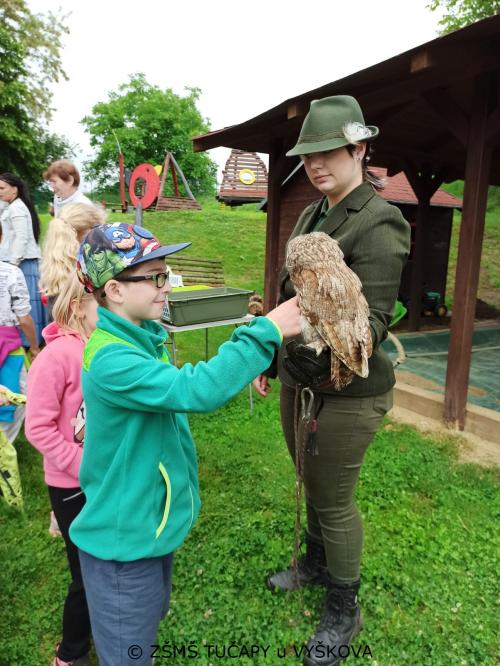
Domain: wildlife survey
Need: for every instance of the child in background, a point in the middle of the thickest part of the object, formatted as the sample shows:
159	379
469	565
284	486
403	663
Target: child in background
14	315
62	240
81	219
60	247
55	419
139	470
10	480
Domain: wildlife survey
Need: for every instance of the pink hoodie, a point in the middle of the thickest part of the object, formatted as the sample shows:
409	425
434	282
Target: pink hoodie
55	412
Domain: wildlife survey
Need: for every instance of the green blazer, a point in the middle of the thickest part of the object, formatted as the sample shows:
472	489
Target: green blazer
375	240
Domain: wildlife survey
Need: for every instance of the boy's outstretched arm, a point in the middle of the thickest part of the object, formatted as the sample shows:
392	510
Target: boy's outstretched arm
126	377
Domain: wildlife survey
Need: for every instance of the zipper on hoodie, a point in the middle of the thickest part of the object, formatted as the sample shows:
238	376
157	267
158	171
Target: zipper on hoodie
168	498
192	506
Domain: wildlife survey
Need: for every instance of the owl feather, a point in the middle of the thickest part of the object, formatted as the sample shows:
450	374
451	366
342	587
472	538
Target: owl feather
334	309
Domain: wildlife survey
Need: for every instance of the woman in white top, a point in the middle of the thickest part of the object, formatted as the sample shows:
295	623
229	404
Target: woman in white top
19	245
64	179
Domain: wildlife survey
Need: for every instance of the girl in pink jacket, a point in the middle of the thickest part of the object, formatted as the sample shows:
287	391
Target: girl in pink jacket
55	420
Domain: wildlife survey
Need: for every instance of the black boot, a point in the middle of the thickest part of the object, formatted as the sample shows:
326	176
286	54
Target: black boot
312	570
341	621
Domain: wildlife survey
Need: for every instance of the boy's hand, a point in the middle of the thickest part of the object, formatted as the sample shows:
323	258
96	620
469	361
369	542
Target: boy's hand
287	317
261	385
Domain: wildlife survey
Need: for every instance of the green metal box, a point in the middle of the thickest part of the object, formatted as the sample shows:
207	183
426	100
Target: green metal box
197	307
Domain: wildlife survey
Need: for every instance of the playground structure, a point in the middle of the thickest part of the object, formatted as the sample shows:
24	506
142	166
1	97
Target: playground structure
244	179
146	186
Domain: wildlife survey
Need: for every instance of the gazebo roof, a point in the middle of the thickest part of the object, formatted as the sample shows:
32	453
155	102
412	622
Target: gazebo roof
419	99
398	190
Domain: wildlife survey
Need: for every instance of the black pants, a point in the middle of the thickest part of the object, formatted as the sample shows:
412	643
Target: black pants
67	504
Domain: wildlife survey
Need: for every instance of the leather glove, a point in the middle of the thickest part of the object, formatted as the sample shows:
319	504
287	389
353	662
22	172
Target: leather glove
304	366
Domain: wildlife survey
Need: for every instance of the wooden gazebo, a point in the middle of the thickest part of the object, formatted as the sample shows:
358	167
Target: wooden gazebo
244	179
438	110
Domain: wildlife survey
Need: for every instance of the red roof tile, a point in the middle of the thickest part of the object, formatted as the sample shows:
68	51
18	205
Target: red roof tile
397	189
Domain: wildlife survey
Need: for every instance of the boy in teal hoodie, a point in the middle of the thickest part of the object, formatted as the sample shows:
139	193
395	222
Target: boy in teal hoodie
139	470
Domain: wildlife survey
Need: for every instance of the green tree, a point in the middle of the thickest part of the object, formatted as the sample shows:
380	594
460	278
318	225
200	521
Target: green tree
460	13
147	122
39	39
30	61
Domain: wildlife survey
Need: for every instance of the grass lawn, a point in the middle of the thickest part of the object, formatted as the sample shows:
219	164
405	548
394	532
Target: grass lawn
430	583
429	570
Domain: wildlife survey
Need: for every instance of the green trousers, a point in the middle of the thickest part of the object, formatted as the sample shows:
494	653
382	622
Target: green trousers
346	426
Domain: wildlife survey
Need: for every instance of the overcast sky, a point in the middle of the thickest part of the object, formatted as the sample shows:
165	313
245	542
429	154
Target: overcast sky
245	55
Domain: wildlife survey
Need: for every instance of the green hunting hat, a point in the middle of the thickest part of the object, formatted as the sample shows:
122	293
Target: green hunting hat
332	122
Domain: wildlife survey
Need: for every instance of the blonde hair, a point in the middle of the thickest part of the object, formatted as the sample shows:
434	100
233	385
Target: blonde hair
62	241
82	217
67	308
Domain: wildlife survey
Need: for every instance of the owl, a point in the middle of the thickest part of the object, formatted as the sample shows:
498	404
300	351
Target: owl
334	310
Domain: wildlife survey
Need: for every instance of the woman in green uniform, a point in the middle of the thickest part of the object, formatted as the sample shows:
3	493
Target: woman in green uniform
334	145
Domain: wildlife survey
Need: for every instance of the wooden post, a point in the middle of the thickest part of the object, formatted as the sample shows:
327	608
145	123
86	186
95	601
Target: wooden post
182	177
424	185
477	168
121	167
138	215
164	172
277	167
417	274
174	180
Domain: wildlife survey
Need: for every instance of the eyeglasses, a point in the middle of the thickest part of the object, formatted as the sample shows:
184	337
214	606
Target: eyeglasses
159	279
